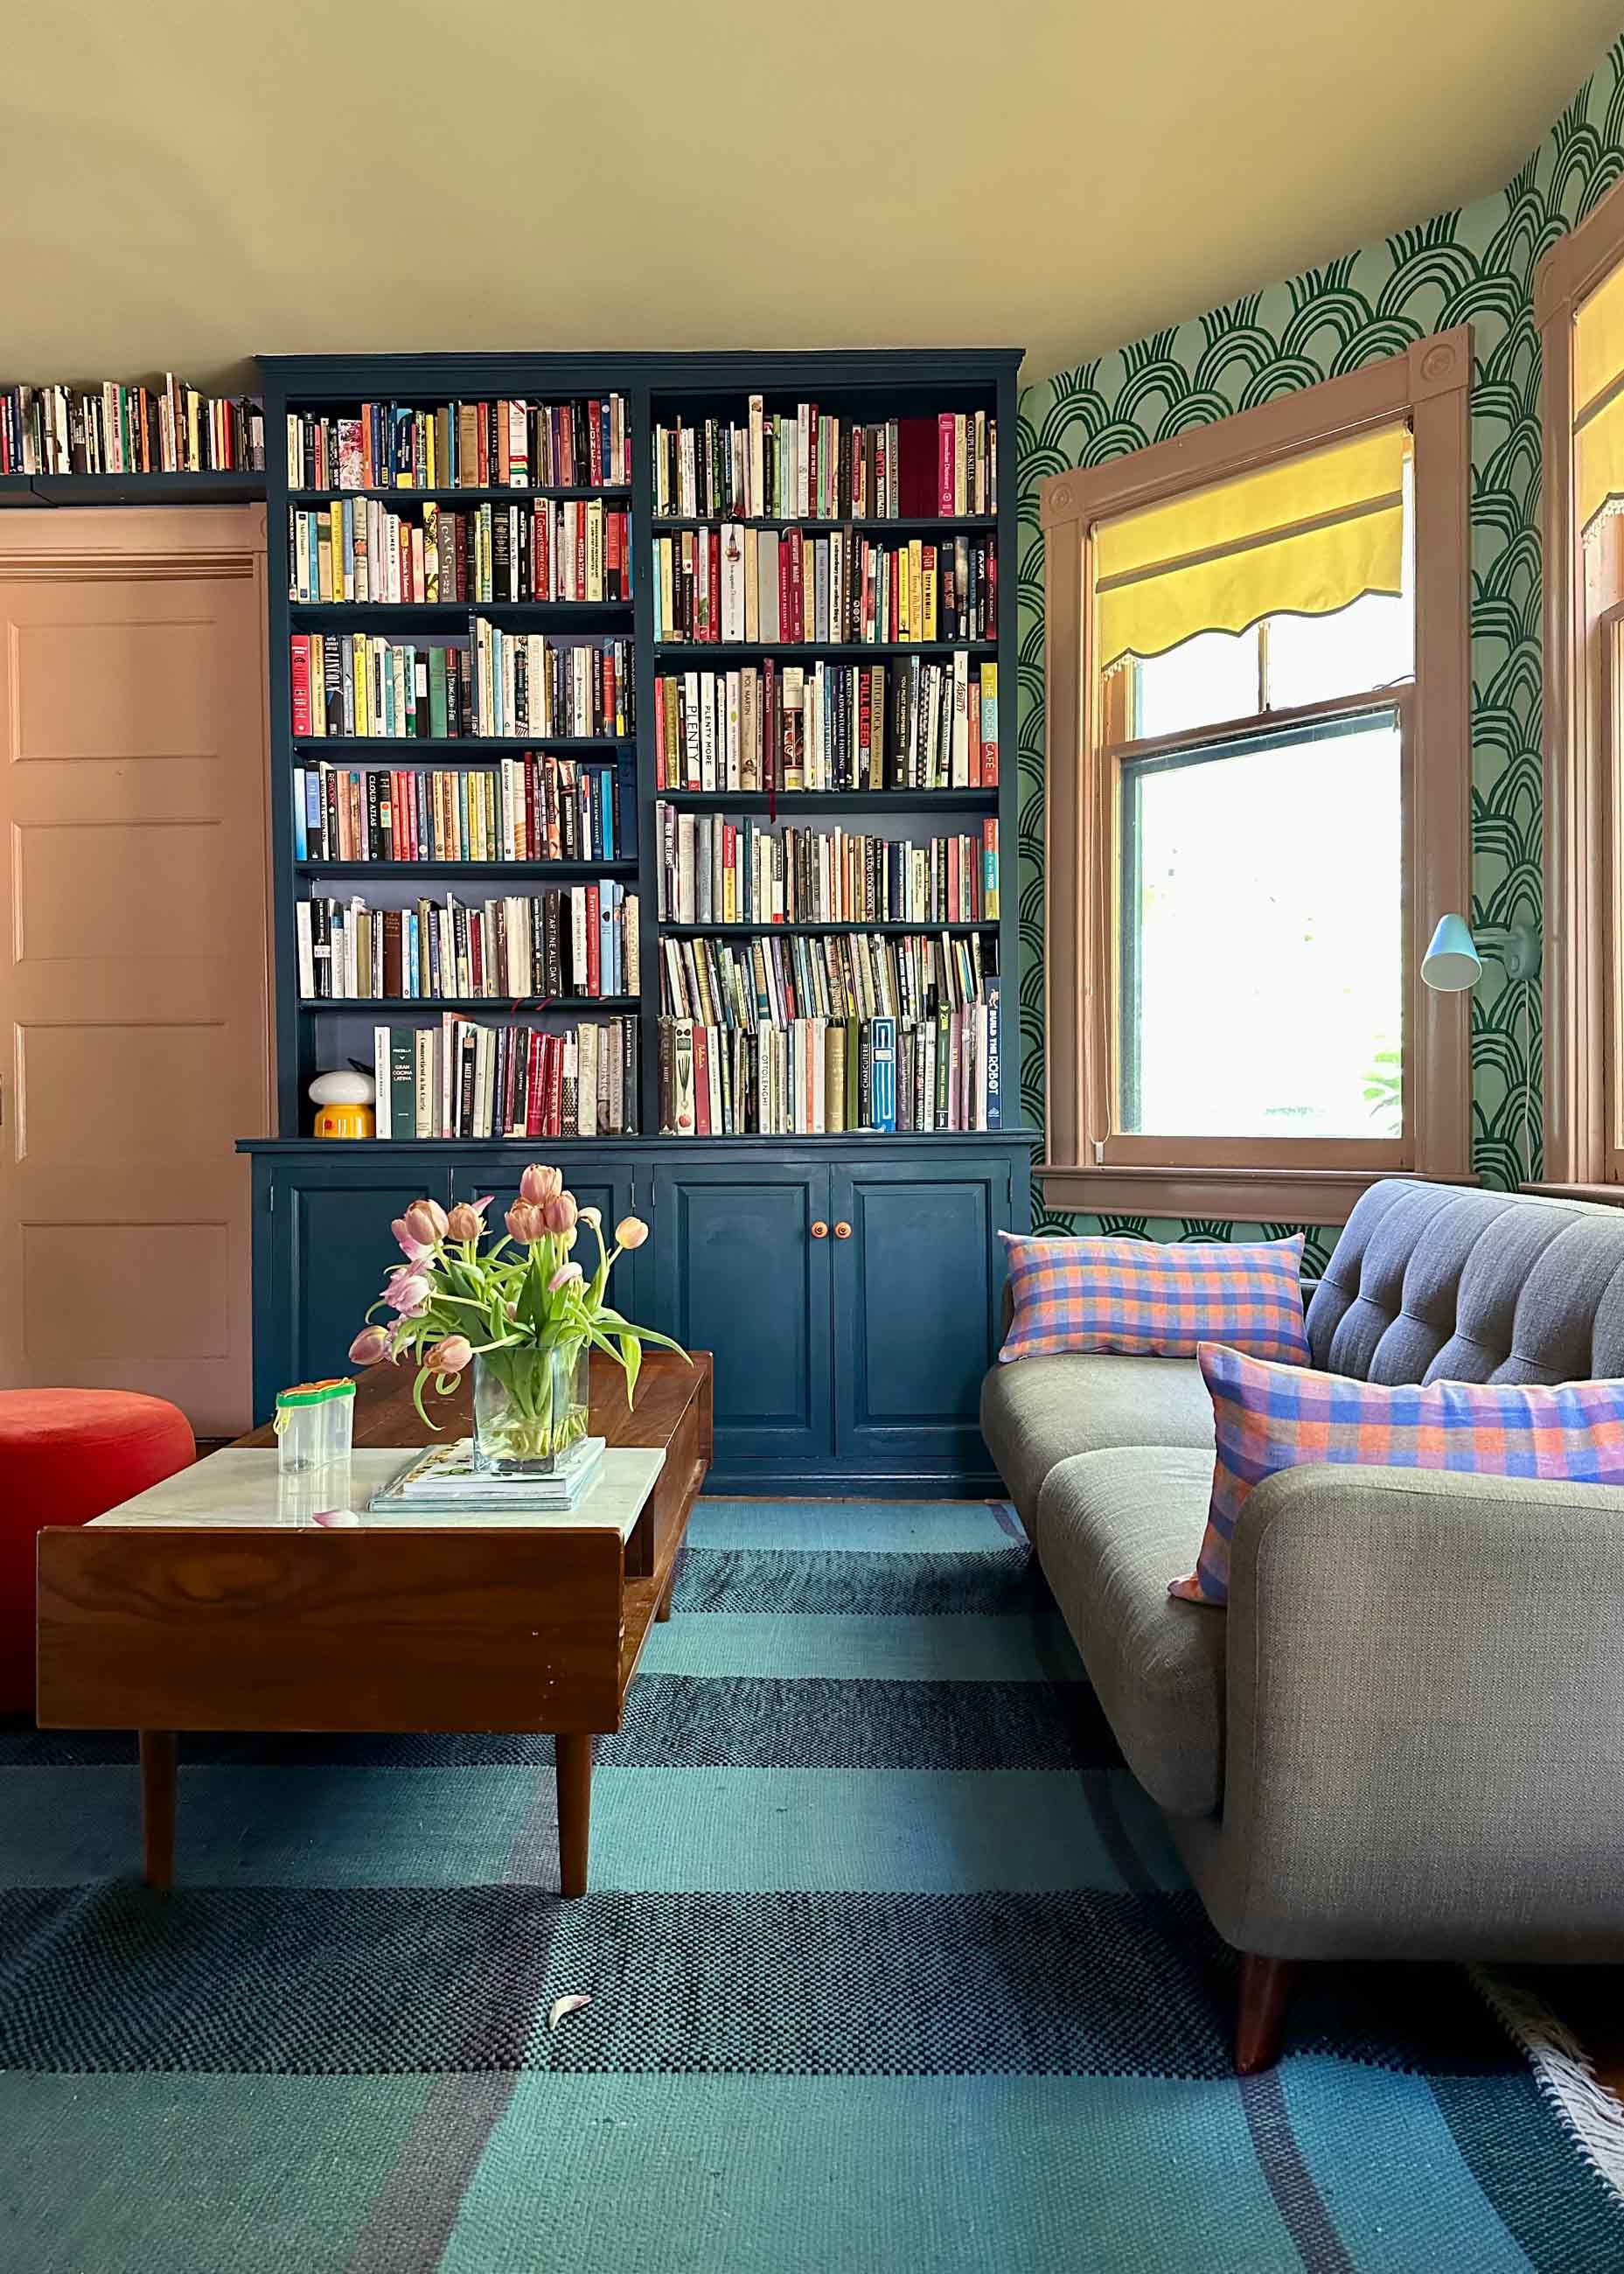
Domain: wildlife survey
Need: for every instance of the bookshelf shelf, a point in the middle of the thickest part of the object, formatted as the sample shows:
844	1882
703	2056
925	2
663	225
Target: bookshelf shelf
791	801
558	871
811	525
131	489
697	653
429	747
431	1006
397	497
588	615
816	931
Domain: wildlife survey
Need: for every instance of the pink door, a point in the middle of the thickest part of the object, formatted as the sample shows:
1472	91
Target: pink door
134	1036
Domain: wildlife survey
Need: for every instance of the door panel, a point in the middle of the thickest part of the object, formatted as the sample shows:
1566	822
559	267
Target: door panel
916	1289
737	1272
134	1035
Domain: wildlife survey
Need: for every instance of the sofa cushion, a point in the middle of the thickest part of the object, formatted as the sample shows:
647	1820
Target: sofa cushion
1269	1418
1046	1409
1154	1298
1439	1282
1112	1530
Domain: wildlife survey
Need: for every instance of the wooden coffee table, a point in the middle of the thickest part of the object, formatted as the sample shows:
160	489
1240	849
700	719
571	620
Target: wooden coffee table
254	1616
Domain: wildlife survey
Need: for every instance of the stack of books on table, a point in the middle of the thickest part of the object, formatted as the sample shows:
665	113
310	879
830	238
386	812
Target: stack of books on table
443	1481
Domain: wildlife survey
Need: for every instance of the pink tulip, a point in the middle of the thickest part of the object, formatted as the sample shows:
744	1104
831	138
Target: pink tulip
415	1250
466	1220
409	1294
559	1214
523	1221
425	1221
563	1276
450	1356
631	1231
539	1184
369	1346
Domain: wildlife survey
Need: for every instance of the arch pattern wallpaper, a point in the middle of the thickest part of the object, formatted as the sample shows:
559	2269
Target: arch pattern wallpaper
1474	266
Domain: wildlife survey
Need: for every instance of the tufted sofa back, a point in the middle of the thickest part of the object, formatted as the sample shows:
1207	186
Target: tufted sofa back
1441	1283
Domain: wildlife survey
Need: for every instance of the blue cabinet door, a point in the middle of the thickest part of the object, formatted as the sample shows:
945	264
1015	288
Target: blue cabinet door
917	1284
736	1271
327	1249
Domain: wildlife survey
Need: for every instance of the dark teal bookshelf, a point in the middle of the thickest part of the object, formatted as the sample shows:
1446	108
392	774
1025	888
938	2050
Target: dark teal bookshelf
869	385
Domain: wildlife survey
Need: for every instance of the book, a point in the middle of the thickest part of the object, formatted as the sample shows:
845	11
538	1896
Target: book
444	1476
533	807
804	463
717	870
467	1079
364	549
834	726
841	587
129	429
511	444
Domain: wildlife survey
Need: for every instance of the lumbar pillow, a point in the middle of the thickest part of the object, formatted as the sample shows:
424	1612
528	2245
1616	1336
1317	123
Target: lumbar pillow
1268	1418
1140	1297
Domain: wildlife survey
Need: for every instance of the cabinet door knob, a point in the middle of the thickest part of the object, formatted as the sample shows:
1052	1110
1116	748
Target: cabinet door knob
843	1232
820	1230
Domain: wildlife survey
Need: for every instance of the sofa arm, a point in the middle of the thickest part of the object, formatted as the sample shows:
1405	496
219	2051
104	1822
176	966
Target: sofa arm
1426	1719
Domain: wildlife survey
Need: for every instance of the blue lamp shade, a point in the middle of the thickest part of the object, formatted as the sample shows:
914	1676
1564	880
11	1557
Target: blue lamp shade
1452	963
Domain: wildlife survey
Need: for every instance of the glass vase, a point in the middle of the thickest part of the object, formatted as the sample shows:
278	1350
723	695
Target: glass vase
529	1409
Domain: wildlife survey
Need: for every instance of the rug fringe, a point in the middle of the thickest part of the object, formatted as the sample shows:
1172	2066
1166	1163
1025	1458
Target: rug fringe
1563	2071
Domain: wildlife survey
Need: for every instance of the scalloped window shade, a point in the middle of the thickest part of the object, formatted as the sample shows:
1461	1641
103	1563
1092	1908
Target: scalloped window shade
1599	391
1306	536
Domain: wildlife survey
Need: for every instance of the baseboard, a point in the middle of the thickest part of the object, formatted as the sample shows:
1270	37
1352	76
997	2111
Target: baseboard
722	1483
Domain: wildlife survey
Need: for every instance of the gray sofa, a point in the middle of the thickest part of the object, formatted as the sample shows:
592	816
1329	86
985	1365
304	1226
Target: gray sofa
1405	1736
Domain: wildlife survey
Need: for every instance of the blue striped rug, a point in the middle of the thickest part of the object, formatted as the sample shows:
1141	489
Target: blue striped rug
892	1966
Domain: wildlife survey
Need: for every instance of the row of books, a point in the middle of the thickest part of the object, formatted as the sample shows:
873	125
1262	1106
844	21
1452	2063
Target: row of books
780	977
463	1080
512	684
116	429
784	587
818	1077
535	807
580	939
459	446
916	724
807	464
360	549
716	869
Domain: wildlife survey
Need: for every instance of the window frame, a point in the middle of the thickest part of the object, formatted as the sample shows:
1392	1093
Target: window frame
1318	1179
1583	964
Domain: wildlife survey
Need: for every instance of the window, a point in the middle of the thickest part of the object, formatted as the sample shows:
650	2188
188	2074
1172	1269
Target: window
1579	305
1243	840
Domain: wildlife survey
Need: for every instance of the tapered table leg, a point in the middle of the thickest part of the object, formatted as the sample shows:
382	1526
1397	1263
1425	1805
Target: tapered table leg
158	1755
662	1610
575	1808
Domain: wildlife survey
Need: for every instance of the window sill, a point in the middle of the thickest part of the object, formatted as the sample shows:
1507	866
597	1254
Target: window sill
1606	1195
1252	1195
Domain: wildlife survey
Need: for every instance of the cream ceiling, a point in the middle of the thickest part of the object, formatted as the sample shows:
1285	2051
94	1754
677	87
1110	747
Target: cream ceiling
185	184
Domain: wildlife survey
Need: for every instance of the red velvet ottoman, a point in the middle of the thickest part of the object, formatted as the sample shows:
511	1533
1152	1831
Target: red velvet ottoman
65	1456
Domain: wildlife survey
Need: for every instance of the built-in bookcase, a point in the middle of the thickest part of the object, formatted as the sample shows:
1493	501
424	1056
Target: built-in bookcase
853	581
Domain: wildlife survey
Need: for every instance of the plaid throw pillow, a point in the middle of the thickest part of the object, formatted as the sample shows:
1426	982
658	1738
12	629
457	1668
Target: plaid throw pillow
1138	1297
1268	1418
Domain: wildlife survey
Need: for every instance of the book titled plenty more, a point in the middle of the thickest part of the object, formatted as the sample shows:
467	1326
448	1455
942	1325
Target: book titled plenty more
116	429
784	587
720	870
360	550
916	724
572	940
807	464
510	444
462	1079
533	807
494	683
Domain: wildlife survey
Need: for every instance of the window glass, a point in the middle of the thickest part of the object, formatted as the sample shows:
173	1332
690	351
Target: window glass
1312	658
1262	985
1212	677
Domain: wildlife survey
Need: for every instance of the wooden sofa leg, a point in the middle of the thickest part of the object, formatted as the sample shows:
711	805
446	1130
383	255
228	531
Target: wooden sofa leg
1265	1984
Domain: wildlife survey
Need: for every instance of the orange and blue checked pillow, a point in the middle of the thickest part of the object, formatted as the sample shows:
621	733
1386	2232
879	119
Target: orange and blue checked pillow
1268	1418
1140	1296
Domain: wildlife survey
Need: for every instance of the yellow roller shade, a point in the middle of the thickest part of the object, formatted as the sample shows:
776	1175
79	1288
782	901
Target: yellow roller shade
1302	537
1598	425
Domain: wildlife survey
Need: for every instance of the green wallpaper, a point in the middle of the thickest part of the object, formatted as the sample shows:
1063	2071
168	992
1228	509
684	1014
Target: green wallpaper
1475	267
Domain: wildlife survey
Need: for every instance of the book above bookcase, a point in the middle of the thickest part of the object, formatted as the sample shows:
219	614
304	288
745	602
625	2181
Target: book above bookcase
114	429
509	443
